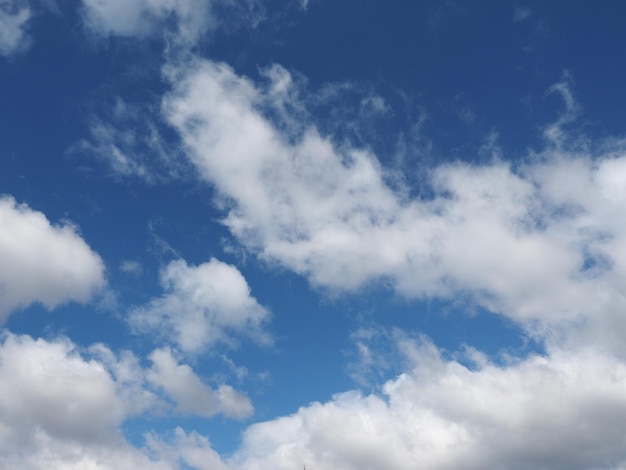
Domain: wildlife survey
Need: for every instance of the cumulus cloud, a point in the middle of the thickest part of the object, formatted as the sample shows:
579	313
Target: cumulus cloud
40	262
202	306
190	393
64	394
61	407
502	236
14	16
61	410
563	410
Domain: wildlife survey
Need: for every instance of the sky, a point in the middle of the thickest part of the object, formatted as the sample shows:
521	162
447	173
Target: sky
346	235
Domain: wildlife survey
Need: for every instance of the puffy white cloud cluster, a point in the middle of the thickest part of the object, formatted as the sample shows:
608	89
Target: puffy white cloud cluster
202	306
40	262
14	16
540	243
61	408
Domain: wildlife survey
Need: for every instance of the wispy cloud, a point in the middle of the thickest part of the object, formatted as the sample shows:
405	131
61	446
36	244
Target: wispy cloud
14	18
193	18
129	142
521	14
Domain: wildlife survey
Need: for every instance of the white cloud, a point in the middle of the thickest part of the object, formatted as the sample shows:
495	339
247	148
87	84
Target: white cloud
203	305
564	410
14	16
190	393
59	410
193	18
191	448
493	233
43	263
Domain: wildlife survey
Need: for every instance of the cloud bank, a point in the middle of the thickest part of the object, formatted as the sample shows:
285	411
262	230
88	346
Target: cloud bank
564	410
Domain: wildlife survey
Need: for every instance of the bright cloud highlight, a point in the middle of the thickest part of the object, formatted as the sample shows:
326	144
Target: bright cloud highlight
40	262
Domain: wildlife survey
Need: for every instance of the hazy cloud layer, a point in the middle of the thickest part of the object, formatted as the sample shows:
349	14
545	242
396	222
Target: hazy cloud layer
40	262
62	408
142	18
14	16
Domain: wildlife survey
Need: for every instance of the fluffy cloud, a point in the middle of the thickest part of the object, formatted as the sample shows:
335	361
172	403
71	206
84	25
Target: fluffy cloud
129	141
563	410
43	263
203	305
60	410
192	449
190	393
519	241
64	394
14	16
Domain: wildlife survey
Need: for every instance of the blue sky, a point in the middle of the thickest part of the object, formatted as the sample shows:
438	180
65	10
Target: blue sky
343	234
